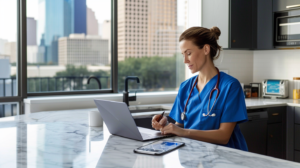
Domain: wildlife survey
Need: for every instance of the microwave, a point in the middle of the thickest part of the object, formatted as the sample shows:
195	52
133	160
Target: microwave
287	28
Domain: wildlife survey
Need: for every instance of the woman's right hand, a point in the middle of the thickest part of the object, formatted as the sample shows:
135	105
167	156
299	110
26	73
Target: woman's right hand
156	124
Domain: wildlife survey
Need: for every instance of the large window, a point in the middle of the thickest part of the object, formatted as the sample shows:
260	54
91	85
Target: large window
8	58
148	47
68	41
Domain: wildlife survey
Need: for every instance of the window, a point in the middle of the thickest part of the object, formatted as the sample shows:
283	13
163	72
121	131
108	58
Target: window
161	70
67	42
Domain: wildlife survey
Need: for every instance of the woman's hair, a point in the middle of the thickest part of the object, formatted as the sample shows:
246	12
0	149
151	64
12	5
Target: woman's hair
201	36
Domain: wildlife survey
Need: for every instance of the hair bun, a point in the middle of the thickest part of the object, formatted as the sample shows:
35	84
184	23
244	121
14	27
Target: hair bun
216	32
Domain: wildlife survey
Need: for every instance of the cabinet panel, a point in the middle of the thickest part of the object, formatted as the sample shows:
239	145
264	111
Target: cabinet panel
281	5
216	13
276	114
241	24
275	145
297	156
264	25
297	137
297	115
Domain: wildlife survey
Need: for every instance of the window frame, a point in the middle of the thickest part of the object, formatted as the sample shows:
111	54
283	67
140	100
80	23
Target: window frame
114	59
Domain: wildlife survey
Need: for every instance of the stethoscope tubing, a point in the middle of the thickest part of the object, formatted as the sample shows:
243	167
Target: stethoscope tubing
210	95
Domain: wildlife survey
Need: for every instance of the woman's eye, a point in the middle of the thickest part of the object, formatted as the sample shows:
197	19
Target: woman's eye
189	53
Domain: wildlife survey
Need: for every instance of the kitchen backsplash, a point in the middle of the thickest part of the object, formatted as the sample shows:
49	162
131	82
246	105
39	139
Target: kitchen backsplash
276	64
239	64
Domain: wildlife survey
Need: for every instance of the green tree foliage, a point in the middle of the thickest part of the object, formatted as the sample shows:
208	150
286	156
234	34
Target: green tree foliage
155	73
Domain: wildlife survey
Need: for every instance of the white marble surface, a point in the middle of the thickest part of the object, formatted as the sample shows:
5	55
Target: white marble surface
64	139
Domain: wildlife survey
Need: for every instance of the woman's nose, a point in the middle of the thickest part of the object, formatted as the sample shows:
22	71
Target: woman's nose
186	60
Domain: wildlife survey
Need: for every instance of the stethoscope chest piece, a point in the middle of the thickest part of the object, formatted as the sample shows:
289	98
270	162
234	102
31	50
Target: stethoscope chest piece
183	116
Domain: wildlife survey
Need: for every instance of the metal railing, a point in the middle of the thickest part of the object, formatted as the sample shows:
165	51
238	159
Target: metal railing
8	86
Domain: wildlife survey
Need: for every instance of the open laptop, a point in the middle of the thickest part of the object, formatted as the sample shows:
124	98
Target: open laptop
119	121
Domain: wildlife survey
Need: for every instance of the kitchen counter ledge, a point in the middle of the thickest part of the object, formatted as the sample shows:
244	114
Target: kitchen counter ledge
64	139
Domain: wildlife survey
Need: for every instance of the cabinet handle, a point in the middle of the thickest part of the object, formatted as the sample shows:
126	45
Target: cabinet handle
275	114
233	41
271	135
293	6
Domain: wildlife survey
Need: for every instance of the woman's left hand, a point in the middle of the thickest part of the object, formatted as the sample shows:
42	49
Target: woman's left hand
172	129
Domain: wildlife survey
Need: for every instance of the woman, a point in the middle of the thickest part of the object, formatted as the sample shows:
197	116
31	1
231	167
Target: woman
215	120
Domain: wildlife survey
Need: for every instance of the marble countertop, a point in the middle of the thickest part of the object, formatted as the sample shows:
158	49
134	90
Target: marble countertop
64	139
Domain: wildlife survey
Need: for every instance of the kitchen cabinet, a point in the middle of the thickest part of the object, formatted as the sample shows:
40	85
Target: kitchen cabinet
246	24
276	139
282	5
265	132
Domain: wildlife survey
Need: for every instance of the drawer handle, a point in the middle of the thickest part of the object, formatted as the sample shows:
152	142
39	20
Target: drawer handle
275	114
293	6
271	136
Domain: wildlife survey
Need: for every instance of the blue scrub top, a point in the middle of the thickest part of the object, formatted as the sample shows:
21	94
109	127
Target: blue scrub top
230	106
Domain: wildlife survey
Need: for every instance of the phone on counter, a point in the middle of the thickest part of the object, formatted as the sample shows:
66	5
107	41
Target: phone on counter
159	147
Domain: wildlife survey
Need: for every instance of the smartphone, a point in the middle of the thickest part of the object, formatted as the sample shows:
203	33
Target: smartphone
159	147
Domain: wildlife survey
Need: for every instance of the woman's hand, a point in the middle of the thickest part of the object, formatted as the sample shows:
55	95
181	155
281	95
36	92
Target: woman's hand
173	129
158	124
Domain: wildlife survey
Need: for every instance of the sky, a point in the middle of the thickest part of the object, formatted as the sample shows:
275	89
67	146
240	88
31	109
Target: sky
102	9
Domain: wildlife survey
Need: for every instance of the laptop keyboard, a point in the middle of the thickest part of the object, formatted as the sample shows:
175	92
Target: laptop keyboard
151	136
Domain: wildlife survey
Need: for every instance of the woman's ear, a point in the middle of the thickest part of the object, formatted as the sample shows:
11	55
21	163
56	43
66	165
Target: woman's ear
206	49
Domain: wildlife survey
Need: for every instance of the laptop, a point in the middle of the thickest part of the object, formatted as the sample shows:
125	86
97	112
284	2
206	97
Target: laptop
119	121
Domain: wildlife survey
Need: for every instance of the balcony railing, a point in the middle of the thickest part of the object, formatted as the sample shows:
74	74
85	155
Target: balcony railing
8	86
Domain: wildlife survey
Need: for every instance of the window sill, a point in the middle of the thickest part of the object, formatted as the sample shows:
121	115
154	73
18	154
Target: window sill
54	103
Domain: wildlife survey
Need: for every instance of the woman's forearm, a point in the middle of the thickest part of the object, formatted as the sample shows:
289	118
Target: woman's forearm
220	136
212	136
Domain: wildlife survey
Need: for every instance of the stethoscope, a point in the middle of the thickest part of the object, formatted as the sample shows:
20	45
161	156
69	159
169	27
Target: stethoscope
183	115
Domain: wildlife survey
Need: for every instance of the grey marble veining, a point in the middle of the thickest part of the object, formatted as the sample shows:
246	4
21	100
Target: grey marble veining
64	139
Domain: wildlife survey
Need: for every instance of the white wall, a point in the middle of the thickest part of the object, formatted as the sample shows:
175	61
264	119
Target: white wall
238	63
276	64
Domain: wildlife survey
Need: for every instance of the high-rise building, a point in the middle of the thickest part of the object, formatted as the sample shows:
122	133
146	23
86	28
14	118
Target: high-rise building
10	50
78	49
32	54
91	22
147	28
106	34
59	18
31	31
2	46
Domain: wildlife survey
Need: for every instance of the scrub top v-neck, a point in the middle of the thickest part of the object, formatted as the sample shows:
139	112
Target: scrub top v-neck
229	107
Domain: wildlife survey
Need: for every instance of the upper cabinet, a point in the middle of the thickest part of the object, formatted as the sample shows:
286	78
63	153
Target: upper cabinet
245	24
282	5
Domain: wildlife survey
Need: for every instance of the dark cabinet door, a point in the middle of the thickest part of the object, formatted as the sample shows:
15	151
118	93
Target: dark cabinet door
297	137
275	142
255	133
282	5
241	26
264	40
297	156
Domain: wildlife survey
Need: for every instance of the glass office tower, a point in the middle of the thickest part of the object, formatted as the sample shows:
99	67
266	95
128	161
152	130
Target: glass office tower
58	18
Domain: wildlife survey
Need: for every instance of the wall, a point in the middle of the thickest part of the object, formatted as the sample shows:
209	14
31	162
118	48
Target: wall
276	64
238	63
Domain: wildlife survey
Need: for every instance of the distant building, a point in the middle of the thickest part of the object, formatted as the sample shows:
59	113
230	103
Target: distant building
31	31
10	50
78	49
91	22
147	28
106	34
2	46
32	53
59	18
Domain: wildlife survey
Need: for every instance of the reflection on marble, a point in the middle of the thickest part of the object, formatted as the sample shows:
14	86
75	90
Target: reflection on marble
64	139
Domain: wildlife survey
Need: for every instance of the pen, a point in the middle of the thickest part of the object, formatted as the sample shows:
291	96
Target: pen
162	115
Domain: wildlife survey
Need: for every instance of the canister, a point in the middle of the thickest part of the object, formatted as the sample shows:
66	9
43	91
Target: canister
247	91
296	89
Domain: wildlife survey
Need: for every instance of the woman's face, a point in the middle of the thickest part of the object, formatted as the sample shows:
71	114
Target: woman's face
194	57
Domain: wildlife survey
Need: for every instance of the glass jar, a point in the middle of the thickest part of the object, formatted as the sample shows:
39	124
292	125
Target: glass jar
247	91
296	89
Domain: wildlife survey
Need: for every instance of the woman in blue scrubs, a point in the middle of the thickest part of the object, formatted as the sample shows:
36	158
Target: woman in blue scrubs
197	117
